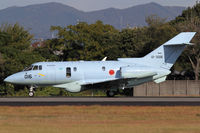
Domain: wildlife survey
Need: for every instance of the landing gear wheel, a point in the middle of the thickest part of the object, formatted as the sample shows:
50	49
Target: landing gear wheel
110	93
31	94
31	91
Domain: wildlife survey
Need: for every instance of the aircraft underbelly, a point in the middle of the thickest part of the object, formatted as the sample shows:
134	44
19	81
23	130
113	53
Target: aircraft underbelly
135	82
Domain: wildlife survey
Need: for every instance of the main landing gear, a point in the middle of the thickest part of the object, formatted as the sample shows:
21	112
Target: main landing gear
31	91
127	92
110	93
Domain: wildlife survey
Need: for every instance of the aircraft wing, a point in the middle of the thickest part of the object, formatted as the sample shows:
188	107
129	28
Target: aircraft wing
116	83
128	80
103	84
96	81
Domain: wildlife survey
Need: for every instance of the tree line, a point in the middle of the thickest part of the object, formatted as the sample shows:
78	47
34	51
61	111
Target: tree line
85	41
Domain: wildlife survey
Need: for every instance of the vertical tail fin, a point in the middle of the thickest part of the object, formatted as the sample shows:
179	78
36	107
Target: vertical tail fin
167	54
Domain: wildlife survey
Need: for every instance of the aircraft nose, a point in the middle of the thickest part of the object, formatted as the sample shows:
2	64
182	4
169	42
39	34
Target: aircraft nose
17	78
10	79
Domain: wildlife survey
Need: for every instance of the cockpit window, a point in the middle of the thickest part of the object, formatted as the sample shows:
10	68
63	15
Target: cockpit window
28	68
35	68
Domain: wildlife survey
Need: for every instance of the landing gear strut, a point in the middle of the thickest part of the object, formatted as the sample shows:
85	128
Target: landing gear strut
31	91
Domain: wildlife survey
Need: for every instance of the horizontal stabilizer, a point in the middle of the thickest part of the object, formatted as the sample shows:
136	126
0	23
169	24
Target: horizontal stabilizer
182	38
179	44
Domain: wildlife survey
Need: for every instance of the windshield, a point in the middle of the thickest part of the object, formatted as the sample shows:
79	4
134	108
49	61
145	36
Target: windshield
28	68
33	67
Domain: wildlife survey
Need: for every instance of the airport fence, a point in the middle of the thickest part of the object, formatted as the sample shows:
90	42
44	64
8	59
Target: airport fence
169	88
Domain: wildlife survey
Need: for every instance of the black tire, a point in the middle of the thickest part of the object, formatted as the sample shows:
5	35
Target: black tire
110	93
31	94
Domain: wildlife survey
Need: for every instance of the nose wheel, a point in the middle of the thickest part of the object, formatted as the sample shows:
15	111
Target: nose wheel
31	91
31	94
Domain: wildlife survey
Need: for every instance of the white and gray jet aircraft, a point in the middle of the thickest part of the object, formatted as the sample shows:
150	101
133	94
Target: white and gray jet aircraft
125	73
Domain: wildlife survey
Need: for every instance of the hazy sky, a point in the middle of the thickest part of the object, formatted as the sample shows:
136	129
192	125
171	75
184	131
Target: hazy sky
90	5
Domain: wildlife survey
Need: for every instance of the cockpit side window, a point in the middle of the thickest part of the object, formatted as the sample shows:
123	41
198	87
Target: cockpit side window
40	67
35	68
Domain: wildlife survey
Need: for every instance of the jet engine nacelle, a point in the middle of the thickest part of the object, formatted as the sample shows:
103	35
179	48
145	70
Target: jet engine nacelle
136	72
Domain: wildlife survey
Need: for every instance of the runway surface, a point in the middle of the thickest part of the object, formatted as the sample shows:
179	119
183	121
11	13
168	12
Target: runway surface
118	101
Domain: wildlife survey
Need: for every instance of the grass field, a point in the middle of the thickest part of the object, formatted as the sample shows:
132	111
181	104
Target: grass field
100	119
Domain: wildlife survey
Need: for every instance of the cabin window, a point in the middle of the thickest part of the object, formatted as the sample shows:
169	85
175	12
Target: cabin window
75	69
40	67
35	68
68	72
103	68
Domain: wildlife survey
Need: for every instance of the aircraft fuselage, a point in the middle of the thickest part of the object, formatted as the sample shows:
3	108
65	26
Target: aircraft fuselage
85	72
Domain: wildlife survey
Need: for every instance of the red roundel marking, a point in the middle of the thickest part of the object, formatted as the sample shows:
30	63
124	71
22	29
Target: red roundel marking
111	72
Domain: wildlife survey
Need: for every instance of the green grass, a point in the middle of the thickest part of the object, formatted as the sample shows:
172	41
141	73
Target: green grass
100	119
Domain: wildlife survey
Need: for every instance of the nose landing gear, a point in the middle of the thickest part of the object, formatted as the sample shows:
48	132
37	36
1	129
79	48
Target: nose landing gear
31	91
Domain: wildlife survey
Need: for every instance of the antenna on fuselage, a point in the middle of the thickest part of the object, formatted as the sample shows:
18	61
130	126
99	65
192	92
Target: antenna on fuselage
104	59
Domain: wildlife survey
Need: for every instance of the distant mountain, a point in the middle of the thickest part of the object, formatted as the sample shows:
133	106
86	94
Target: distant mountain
38	18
